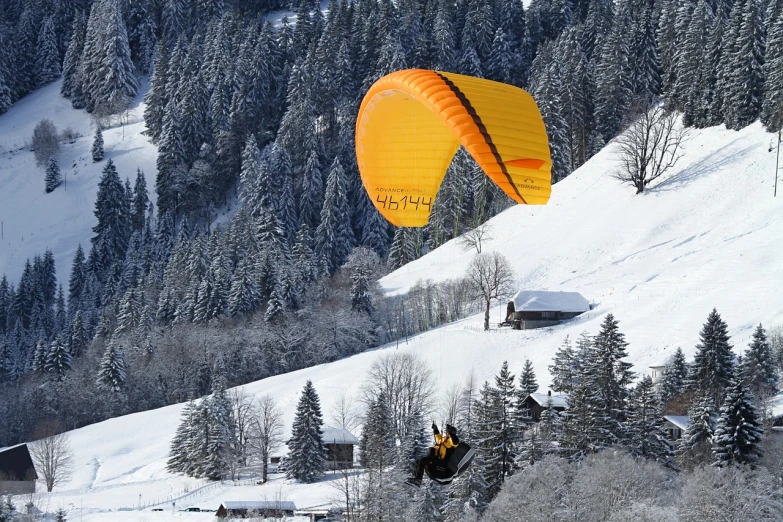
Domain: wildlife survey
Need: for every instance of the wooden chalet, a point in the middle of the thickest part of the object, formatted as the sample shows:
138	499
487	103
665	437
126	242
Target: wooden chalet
675	426
536	403
531	309
339	447
256	508
17	471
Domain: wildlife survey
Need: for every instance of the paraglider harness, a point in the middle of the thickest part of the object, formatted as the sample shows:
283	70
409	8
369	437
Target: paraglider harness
455	461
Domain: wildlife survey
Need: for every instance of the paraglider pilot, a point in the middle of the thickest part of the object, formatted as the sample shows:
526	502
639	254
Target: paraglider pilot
443	444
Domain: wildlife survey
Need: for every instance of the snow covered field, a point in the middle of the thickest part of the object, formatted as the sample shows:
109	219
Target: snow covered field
33	220
706	236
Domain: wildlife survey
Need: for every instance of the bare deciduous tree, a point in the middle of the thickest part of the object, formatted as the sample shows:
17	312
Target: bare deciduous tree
475	237
52	454
650	147
266	431
490	277
776	345
343	413
45	143
449	404
242	405
407	382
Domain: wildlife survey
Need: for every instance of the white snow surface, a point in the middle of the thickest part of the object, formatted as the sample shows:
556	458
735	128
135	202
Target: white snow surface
33	220
541	301
707	235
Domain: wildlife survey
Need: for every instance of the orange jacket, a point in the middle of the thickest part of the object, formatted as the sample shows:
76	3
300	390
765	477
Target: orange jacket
442	443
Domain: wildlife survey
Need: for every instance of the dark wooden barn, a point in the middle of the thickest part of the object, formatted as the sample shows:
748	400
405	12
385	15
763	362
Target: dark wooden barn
17	471
538	309
535	403
339	447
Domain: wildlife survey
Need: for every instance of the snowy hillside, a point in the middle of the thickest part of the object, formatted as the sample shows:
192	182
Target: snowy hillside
706	236
33	220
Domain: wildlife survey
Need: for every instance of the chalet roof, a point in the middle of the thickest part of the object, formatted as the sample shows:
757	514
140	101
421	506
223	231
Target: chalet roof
541	301
681	421
261	505
16	463
558	401
338	436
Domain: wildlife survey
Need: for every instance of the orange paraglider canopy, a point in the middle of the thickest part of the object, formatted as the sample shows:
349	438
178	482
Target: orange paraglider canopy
412	122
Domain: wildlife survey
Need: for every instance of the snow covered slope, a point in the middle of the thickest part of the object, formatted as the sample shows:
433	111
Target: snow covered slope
33	220
707	236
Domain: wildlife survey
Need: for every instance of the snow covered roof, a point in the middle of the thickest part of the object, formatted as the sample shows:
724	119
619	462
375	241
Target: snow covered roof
338	436
541	301
681	421
558	401
281	505
12	447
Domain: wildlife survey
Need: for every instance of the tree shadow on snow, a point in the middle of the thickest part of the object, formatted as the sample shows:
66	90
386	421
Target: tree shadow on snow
707	165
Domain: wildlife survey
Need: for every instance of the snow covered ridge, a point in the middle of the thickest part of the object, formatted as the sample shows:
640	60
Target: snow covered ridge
706	236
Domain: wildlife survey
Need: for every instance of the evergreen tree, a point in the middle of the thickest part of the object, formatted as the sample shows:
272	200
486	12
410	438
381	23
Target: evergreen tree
97	145
738	432
527	380
426	504
53	178
47	60
113	84
111	373
275	306
180	447
675	375
772	108
608	377
110	242
311	200
5	91
61	311
713	364
565	368
77	281
58	359
156	98
244	293
307	458
334	237
613	75
745	77
361	298
59	516
79	340
645	423
690	85
222	429
39	357
377	446
710	74
695	445
488	441
758	368
141	202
